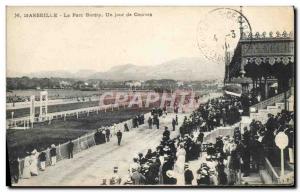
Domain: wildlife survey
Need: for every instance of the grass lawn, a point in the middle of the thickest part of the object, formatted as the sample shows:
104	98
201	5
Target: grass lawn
59	131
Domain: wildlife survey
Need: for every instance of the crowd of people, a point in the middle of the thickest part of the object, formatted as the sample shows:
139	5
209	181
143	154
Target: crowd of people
168	164
266	133
223	162
217	112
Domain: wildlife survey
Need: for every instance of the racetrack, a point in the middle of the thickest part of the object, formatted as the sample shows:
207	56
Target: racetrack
89	167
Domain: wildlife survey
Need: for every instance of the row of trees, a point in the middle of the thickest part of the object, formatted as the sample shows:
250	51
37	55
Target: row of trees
63	83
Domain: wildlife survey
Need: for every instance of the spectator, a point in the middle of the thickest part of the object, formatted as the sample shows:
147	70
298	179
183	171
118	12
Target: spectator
70	149
115	178
173	124
126	129
42	159
14	169
53	155
26	170
119	136
34	163
150	122
188	175
107	134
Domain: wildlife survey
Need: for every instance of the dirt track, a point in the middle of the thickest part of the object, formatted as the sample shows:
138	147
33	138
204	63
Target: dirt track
89	167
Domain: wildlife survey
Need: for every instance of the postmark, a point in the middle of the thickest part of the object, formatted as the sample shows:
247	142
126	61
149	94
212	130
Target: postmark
214	39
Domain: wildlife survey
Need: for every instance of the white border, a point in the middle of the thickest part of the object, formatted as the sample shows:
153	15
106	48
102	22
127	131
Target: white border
4	3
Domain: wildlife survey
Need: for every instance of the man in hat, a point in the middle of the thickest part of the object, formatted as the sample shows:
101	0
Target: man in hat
222	176
210	150
166	133
150	122
203	178
53	155
152	175
188	175
157	122
219	144
246	136
70	149
256	150
115	179
200	137
97	137
42	160
173	124
167	165
119	136
271	124
149	154
126	129
107	134
142	160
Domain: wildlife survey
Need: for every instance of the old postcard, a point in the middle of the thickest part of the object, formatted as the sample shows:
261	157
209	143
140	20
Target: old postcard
150	96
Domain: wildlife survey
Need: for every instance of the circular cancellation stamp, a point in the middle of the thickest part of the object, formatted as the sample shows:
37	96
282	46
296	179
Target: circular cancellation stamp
219	32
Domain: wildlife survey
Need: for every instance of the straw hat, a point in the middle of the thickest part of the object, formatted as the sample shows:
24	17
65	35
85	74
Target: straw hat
170	174
53	146
34	152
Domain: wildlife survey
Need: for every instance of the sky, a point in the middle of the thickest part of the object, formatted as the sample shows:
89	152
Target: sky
98	44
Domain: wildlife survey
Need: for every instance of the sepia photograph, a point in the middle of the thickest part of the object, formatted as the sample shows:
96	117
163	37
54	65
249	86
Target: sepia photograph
150	96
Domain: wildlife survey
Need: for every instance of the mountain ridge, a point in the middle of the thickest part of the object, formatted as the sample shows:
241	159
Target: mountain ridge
192	68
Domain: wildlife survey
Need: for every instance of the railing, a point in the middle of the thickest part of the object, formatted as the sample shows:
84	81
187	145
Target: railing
271	171
25	121
26	104
270	101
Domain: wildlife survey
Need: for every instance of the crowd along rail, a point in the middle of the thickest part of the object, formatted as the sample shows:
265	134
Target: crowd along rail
81	143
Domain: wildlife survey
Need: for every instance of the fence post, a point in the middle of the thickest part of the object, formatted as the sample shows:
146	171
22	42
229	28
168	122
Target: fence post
87	143
20	173
59	153
94	139
79	144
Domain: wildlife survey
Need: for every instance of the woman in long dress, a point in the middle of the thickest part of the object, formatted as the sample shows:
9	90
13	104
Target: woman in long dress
34	163
26	170
179	165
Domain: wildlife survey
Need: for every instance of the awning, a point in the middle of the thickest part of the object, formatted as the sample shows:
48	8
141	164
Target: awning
232	93
234	90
